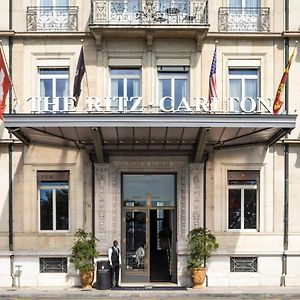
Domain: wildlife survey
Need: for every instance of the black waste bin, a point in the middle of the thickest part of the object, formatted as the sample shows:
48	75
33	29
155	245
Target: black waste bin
103	275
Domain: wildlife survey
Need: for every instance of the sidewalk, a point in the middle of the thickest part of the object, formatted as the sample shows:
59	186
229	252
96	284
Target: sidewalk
206	292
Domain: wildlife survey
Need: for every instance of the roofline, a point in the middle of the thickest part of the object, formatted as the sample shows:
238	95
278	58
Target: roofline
149	120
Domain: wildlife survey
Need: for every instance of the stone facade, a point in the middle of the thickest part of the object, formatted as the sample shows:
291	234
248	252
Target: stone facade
202	191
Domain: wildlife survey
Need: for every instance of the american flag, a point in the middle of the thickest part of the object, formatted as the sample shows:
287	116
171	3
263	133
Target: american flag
212	92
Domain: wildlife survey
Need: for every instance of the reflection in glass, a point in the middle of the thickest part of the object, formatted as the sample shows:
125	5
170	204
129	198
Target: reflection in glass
136	190
234	207
135	240
250	209
46	209
54	205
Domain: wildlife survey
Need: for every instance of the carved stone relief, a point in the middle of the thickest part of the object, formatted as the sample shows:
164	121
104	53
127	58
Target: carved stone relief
196	192
108	195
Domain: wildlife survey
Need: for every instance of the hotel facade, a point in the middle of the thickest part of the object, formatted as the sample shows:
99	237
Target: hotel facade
144	157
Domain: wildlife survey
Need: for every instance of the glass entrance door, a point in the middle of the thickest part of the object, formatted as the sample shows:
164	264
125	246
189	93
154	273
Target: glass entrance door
148	228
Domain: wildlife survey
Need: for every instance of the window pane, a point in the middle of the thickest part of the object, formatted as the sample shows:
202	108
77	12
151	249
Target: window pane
133	6
46	209
136	191
135	239
252	3
180	90
133	88
62	3
125	72
251	88
250	209
53	71
242	71
234	209
235	90
45	2
235	3
62	87
243	177
62	209
165	88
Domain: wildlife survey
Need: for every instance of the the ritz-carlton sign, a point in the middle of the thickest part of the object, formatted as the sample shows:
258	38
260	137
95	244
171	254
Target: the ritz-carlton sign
165	105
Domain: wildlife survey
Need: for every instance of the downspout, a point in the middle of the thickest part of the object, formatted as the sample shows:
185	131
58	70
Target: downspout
204	206
93	198
286	160
10	164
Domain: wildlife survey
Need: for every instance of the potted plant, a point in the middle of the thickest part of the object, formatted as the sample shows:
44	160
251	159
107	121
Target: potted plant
83	253
201	243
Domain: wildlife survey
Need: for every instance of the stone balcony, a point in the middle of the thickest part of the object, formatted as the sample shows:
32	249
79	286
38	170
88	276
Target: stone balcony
150	18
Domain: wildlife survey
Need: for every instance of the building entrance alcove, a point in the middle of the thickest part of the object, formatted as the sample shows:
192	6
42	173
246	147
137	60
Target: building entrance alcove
149	227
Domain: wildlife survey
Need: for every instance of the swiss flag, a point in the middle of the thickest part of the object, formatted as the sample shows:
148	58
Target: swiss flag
5	85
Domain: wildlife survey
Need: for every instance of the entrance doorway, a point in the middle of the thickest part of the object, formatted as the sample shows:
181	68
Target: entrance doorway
149	228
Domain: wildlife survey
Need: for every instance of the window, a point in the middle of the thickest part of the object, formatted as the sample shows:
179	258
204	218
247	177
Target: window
53	82
172	7
53	191
125	11
243	188
124	83
173	83
244	3
53	265
244	15
244	83
54	3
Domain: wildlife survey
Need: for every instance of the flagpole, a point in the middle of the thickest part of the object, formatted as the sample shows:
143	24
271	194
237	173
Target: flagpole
86	78
7	68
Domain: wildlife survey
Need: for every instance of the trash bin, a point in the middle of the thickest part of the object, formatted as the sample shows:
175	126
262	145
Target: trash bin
103	275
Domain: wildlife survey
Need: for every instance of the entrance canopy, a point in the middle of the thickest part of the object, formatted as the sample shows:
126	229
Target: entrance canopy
151	134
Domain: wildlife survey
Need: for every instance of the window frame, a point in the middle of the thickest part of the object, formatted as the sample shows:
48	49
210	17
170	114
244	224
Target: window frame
124	78
242	188
173	73
53	78
243	4
53	4
243	79
53	187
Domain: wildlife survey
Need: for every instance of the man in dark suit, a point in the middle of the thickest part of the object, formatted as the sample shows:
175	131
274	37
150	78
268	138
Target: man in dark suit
114	256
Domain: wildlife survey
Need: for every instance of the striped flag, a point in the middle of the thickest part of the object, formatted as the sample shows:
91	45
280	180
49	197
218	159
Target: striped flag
278	102
5	84
212	91
80	70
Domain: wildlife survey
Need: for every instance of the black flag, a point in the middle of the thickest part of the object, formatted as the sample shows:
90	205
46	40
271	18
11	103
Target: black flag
80	70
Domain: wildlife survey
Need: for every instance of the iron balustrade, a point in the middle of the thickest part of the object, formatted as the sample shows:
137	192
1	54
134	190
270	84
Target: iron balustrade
52	18
150	12
244	19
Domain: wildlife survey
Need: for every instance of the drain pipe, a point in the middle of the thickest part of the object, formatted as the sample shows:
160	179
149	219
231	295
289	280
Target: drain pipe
286	161
10	167
204	206
93	198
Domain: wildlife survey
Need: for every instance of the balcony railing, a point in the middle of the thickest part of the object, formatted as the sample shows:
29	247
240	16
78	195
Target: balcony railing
244	19
149	12
52	18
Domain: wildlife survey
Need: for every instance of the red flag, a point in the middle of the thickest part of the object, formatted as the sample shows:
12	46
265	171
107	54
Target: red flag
5	85
278	102
212	91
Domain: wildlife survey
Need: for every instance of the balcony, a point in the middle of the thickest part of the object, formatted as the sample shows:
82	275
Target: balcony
51	18
244	19
150	12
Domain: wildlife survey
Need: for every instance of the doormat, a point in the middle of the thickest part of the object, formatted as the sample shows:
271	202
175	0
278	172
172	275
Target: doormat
149	288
